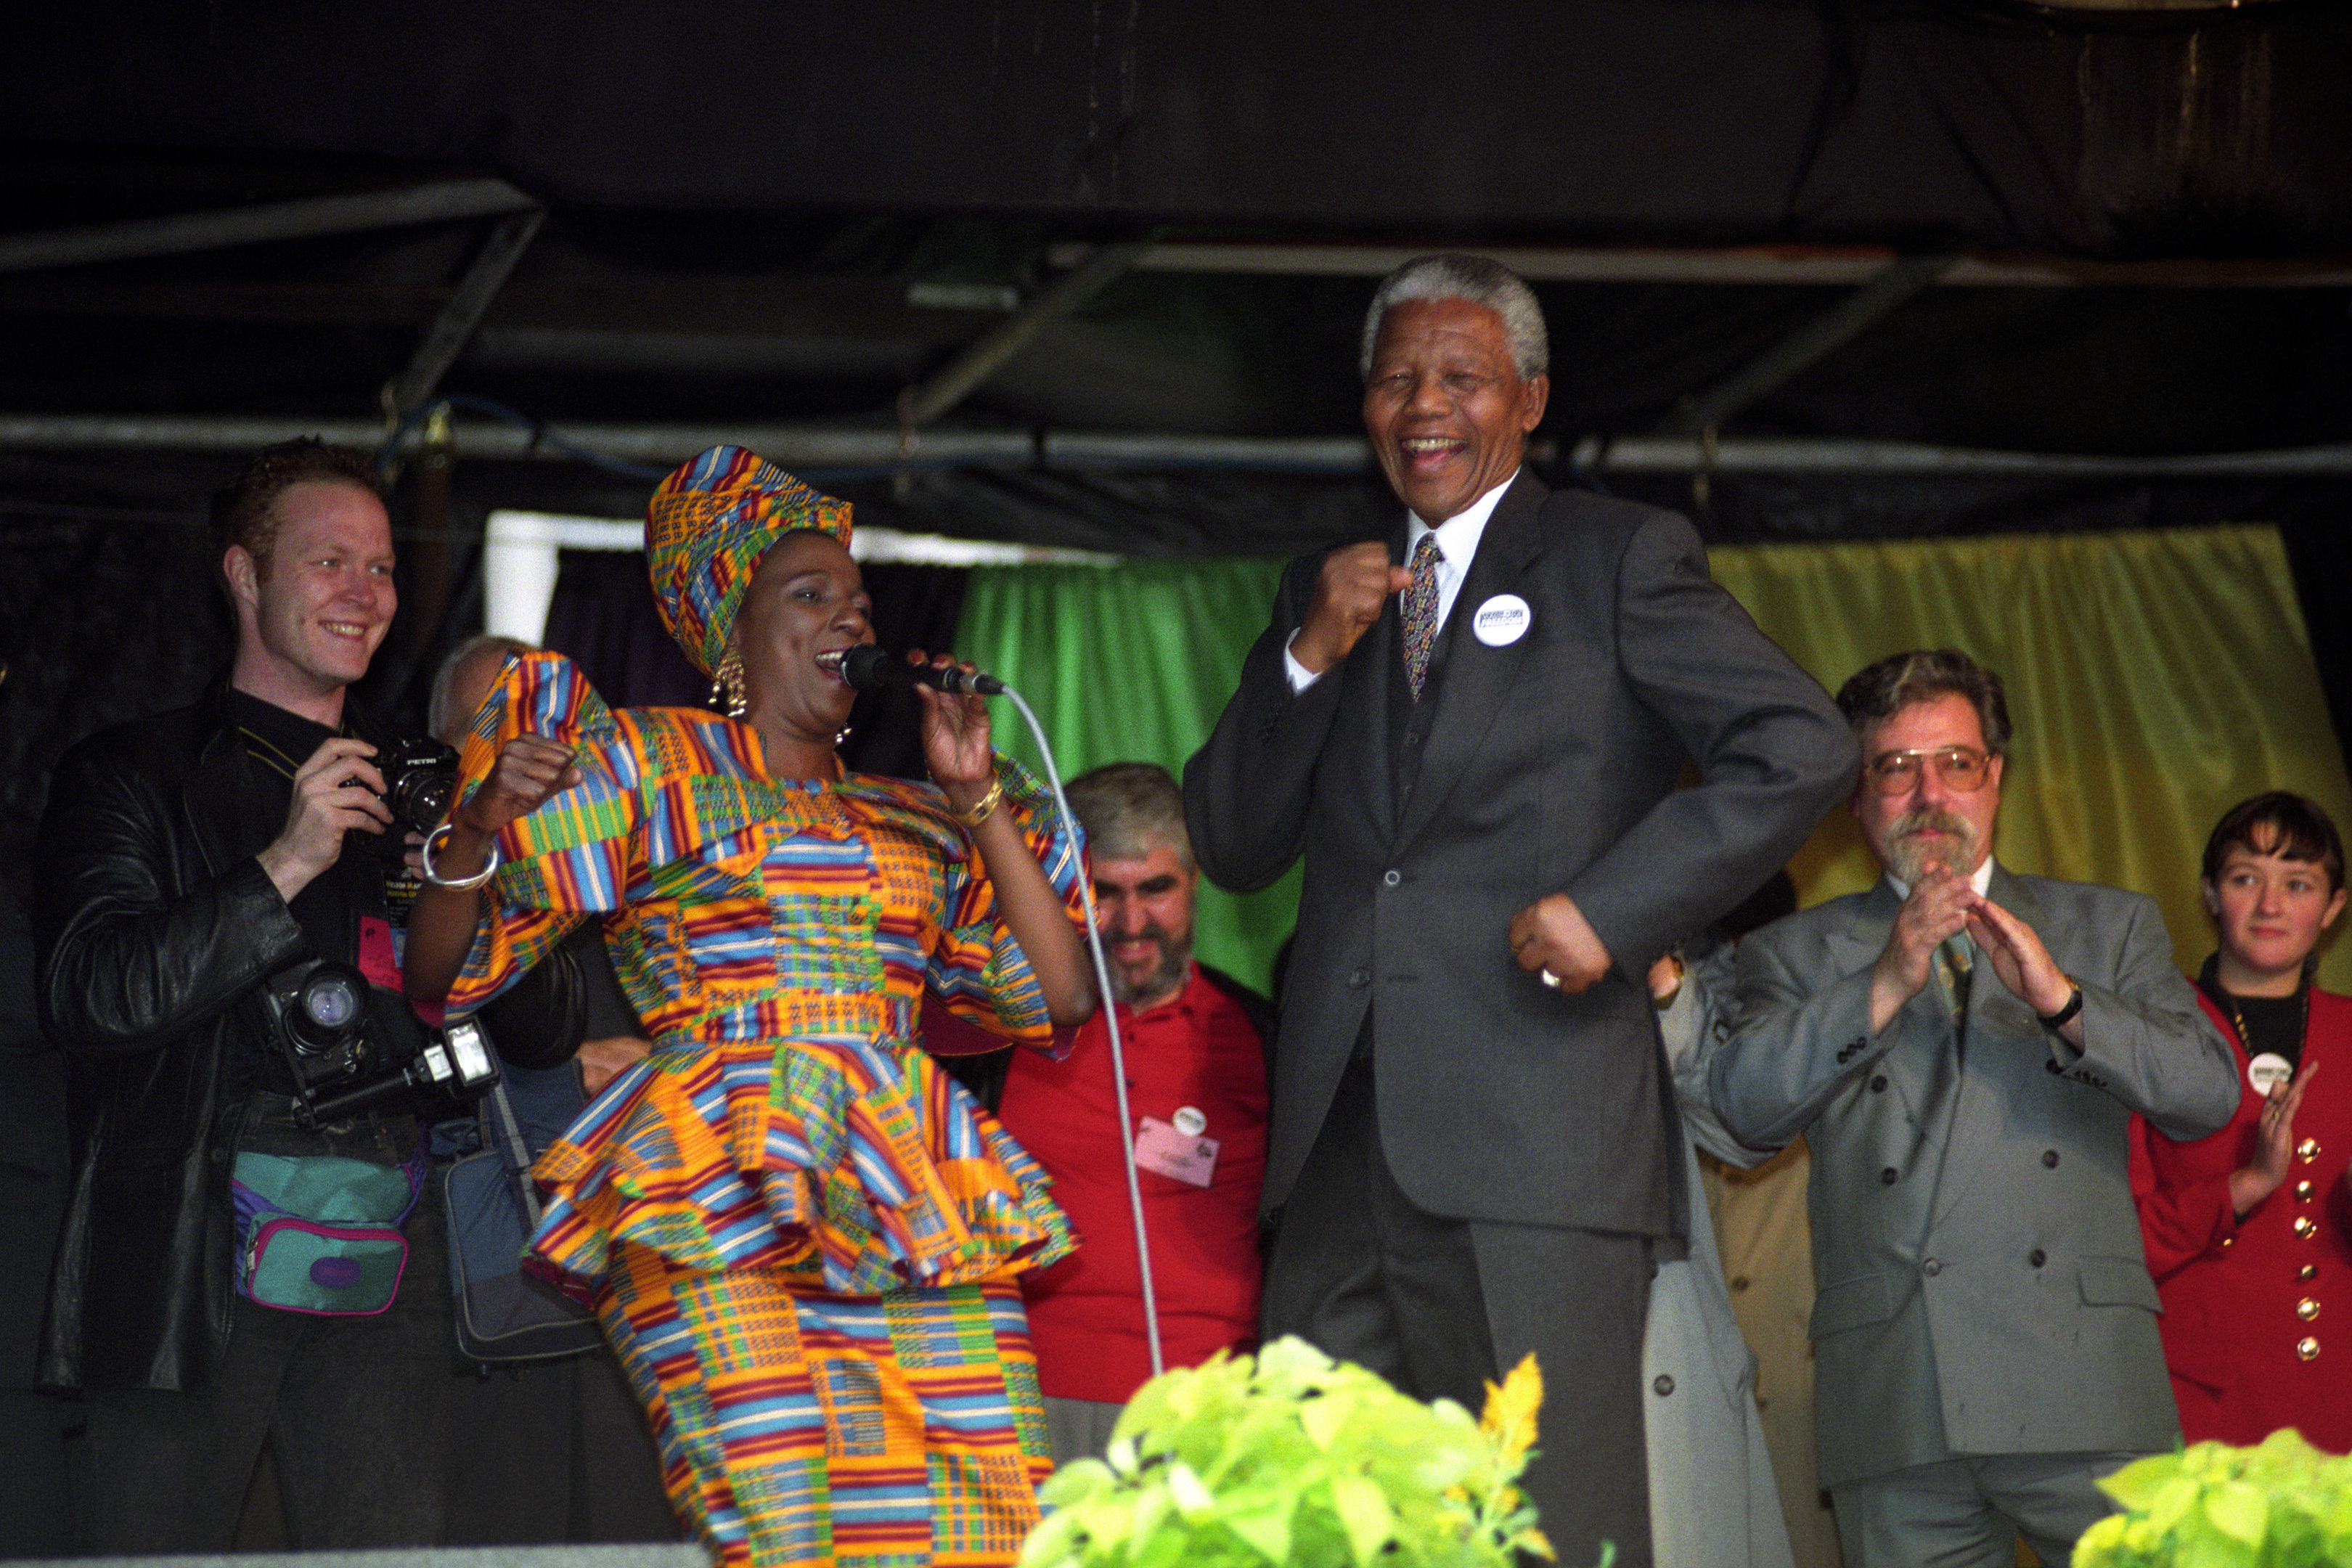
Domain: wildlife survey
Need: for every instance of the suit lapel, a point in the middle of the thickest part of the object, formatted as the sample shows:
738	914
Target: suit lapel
1911	1072
1865	939
1371	678
1476	679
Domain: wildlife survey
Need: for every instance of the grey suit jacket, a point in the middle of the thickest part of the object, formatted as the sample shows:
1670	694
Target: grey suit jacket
1546	764
1713	1503
1981	1285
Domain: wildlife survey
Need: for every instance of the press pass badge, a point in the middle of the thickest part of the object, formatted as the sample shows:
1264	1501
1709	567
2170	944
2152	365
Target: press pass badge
1502	620
379	958
1188	1158
2267	1071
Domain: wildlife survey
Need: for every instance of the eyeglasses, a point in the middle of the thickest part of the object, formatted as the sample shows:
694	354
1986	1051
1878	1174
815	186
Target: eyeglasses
1960	768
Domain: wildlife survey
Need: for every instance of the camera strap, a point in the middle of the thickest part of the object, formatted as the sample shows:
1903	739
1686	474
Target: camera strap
504	1133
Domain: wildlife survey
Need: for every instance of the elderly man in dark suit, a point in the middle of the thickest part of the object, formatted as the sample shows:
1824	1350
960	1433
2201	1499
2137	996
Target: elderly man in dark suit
1476	754
1964	1049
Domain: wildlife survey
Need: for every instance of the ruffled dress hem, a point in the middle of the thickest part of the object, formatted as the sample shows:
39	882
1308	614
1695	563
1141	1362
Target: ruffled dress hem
852	1168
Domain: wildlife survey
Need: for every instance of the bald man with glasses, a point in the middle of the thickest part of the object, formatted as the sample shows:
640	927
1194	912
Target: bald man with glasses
1963	1048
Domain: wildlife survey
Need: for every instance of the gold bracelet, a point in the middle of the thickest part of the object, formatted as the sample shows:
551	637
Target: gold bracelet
986	804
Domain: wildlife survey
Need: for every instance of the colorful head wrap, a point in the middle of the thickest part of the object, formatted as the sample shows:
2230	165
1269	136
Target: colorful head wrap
706	529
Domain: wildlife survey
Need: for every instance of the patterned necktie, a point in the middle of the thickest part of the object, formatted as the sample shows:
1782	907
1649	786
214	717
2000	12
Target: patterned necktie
1421	611
1954	968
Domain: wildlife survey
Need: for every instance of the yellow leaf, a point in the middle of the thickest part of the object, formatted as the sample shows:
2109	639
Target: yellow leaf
1510	1415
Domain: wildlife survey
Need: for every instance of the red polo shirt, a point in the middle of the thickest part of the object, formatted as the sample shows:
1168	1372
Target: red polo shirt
1199	1051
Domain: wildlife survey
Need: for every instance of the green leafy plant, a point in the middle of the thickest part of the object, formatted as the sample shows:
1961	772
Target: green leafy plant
2280	1504
1292	1459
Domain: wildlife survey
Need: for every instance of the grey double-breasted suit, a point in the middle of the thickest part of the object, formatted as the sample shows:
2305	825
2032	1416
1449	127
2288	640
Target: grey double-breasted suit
1981	1289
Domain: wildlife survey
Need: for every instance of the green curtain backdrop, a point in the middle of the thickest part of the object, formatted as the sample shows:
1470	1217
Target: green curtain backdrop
2155	679
1133	662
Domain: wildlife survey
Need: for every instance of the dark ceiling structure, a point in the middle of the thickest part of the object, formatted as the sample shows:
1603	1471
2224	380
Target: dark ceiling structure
1091	272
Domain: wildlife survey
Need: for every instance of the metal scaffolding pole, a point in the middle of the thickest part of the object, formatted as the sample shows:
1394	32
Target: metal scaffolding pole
926	400
836	447
1815	340
447	338
436	203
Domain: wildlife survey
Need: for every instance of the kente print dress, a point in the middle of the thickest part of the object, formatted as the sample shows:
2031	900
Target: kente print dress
800	1236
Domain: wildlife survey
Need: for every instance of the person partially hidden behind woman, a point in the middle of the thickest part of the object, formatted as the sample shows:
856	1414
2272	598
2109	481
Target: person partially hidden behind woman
2249	1231
800	1234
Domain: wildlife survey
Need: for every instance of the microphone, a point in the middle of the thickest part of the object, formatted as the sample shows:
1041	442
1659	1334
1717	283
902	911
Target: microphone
868	668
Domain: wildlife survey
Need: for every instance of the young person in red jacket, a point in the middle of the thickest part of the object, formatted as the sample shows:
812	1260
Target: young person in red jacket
2249	1231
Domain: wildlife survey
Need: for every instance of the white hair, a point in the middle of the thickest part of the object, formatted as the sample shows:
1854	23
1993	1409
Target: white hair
1481	282
439	721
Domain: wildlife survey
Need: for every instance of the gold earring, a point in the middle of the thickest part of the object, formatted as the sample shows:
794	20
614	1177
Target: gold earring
727	685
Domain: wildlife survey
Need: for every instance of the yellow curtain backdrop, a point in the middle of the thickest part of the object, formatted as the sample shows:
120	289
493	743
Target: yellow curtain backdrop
2155	680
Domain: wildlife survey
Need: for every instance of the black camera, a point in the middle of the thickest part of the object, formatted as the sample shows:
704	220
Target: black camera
419	777
319	1012
319	1016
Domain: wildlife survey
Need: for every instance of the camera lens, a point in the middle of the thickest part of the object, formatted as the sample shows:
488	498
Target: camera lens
426	802
419	777
328	1000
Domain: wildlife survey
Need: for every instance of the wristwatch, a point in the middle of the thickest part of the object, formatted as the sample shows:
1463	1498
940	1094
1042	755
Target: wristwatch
2058	1020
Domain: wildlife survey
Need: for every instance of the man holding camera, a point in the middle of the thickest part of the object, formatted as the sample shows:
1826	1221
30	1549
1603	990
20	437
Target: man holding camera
189	867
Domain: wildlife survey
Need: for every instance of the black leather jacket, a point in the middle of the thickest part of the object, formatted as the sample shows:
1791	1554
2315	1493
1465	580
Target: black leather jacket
155	925
154	921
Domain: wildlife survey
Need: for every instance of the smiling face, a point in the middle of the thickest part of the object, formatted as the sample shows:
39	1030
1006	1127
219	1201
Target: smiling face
1931	823
807	599
2270	912
1445	407
312	616
1145	907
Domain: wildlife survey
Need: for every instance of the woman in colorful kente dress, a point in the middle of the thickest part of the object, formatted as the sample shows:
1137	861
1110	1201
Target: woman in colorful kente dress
801	1236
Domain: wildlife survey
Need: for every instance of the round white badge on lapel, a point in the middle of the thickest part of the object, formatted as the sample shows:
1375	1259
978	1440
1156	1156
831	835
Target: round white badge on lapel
2267	1071
1189	1121
1502	620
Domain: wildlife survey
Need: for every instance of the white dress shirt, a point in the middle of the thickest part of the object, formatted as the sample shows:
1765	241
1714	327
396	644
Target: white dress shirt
1457	544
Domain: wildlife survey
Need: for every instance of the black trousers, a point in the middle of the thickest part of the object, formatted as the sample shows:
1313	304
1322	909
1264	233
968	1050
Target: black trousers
355	1413
556	1452
35	1489
1440	1306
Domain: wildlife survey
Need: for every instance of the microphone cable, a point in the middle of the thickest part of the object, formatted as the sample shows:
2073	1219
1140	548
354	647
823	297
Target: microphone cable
1110	1021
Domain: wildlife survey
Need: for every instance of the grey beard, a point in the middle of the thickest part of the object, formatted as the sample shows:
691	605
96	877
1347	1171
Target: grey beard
1907	855
1174	956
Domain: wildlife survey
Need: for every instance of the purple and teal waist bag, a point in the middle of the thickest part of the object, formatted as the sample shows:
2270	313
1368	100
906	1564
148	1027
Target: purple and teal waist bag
321	1233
